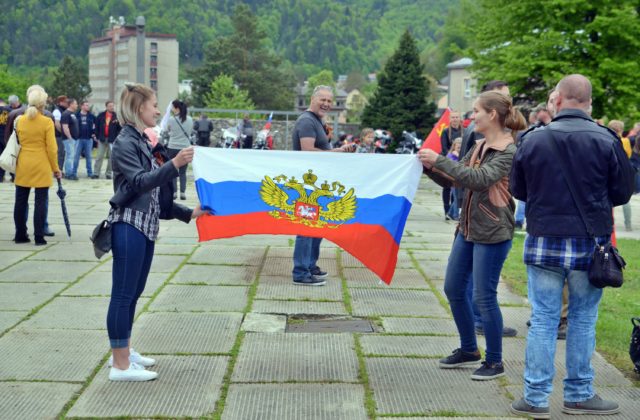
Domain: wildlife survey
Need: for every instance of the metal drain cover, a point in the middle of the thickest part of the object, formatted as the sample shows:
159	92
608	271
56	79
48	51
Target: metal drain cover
301	325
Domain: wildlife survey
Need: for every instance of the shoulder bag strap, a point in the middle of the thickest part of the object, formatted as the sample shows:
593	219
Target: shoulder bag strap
569	181
181	127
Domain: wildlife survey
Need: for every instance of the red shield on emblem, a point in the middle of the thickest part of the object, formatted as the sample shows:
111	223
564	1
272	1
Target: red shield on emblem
307	211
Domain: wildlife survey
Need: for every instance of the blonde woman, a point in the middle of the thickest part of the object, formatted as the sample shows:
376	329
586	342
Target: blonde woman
37	162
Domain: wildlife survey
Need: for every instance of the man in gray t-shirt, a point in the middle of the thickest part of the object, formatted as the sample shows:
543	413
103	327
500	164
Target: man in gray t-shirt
309	136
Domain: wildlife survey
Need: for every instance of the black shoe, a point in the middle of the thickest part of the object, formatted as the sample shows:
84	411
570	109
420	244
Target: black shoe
49	232
506	331
40	240
21	239
309	281
521	407
595	405
108	176
95	176
529	324
519	225
183	196
460	358
562	329
488	371
72	178
446	217
319	274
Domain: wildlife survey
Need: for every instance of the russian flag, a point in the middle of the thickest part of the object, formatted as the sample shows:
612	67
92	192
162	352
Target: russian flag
358	201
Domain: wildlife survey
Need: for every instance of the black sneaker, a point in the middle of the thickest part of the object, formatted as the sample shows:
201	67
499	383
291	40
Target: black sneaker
460	358
488	371
309	281
521	407
21	239
595	405
506	331
318	273
49	232
94	177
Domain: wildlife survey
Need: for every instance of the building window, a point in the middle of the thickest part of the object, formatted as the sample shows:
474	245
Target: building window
154	48
153	72
153	62
154	85
467	88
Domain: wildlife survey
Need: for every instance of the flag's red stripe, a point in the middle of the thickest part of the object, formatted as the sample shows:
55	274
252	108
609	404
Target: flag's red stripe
371	244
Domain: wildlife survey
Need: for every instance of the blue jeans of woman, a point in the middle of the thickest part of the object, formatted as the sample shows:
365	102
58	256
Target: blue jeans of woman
482	263
545	295
86	146
132	256
305	256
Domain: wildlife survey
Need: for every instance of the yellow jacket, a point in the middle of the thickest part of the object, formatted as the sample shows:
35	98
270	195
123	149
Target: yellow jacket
626	145
38	157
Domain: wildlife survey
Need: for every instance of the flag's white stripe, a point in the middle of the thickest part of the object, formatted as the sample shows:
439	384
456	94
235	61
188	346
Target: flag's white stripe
372	175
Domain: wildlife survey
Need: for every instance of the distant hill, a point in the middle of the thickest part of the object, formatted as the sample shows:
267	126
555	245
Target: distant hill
339	35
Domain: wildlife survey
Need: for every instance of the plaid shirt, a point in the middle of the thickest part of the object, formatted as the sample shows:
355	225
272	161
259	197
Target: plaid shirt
148	223
568	253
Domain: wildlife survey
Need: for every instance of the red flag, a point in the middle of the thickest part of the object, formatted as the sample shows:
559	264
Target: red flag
433	140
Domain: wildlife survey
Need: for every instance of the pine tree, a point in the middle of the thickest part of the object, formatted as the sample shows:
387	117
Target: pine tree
71	79
400	102
224	95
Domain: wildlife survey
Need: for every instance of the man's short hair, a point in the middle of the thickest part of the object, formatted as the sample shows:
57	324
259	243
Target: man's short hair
494	85
60	99
84	101
71	100
541	107
13	100
321	87
575	87
107	103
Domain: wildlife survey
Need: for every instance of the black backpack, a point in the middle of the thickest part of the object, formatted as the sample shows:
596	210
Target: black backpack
634	347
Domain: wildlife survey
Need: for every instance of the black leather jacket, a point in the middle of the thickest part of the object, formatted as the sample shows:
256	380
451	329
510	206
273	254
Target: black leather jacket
593	156
133	177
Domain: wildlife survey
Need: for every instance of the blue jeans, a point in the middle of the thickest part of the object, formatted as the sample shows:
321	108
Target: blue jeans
305	256
85	145
69	155
545	295
520	211
482	263
132	256
454	210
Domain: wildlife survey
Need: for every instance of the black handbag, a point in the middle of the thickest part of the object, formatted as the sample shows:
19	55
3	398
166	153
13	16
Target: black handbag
101	238
606	262
634	347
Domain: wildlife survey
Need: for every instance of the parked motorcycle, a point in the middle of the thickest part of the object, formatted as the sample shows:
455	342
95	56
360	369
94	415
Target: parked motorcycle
382	140
264	140
409	143
229	139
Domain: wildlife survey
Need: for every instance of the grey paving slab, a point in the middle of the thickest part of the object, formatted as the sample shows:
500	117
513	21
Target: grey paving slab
187	386
98	283
434	270
215	274
283	266
67	252
228	255
627	397
298	307
166	263
46	271
29	400
280	287
264	323
367	302
506	296
26	296
11	257
419	386
195	333
61	355
7	244
393	345
419	325
404	261
10	318
161	249
295	401
296	357
403	278
74	313
516	317
432	254
200	298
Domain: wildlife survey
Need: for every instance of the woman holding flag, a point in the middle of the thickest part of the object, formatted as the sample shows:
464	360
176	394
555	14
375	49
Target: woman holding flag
484	234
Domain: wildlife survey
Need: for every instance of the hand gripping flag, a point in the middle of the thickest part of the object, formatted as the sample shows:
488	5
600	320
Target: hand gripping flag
358	201
433	139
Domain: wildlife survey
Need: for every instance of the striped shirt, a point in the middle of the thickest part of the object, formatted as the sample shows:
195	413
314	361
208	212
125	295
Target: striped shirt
146	222
567	253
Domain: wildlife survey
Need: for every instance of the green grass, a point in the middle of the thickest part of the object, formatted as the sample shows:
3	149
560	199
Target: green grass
613	330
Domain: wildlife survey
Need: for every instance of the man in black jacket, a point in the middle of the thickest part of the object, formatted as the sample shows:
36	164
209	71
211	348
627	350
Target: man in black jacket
559	244
107	129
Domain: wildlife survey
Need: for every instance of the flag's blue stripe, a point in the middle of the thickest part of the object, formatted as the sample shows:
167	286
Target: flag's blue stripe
241	197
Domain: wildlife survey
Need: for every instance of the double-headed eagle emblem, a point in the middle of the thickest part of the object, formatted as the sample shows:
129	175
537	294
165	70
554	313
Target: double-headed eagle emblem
302	207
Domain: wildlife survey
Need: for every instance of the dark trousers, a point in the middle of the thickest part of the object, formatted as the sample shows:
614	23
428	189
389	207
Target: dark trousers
21	211
132	256
182	171
248	142
446	199
61	154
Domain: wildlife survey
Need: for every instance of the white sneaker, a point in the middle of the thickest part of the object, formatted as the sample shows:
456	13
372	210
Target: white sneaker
137	358
135	373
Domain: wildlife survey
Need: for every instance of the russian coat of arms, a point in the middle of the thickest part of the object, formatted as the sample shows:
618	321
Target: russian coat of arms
326	205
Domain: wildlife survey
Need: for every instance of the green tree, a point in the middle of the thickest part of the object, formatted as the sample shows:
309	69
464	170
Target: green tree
253	67
13	84
533	51
223	94
71	78
400	102
324	78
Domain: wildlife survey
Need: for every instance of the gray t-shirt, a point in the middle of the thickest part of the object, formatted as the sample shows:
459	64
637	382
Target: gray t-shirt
179	132
308	124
